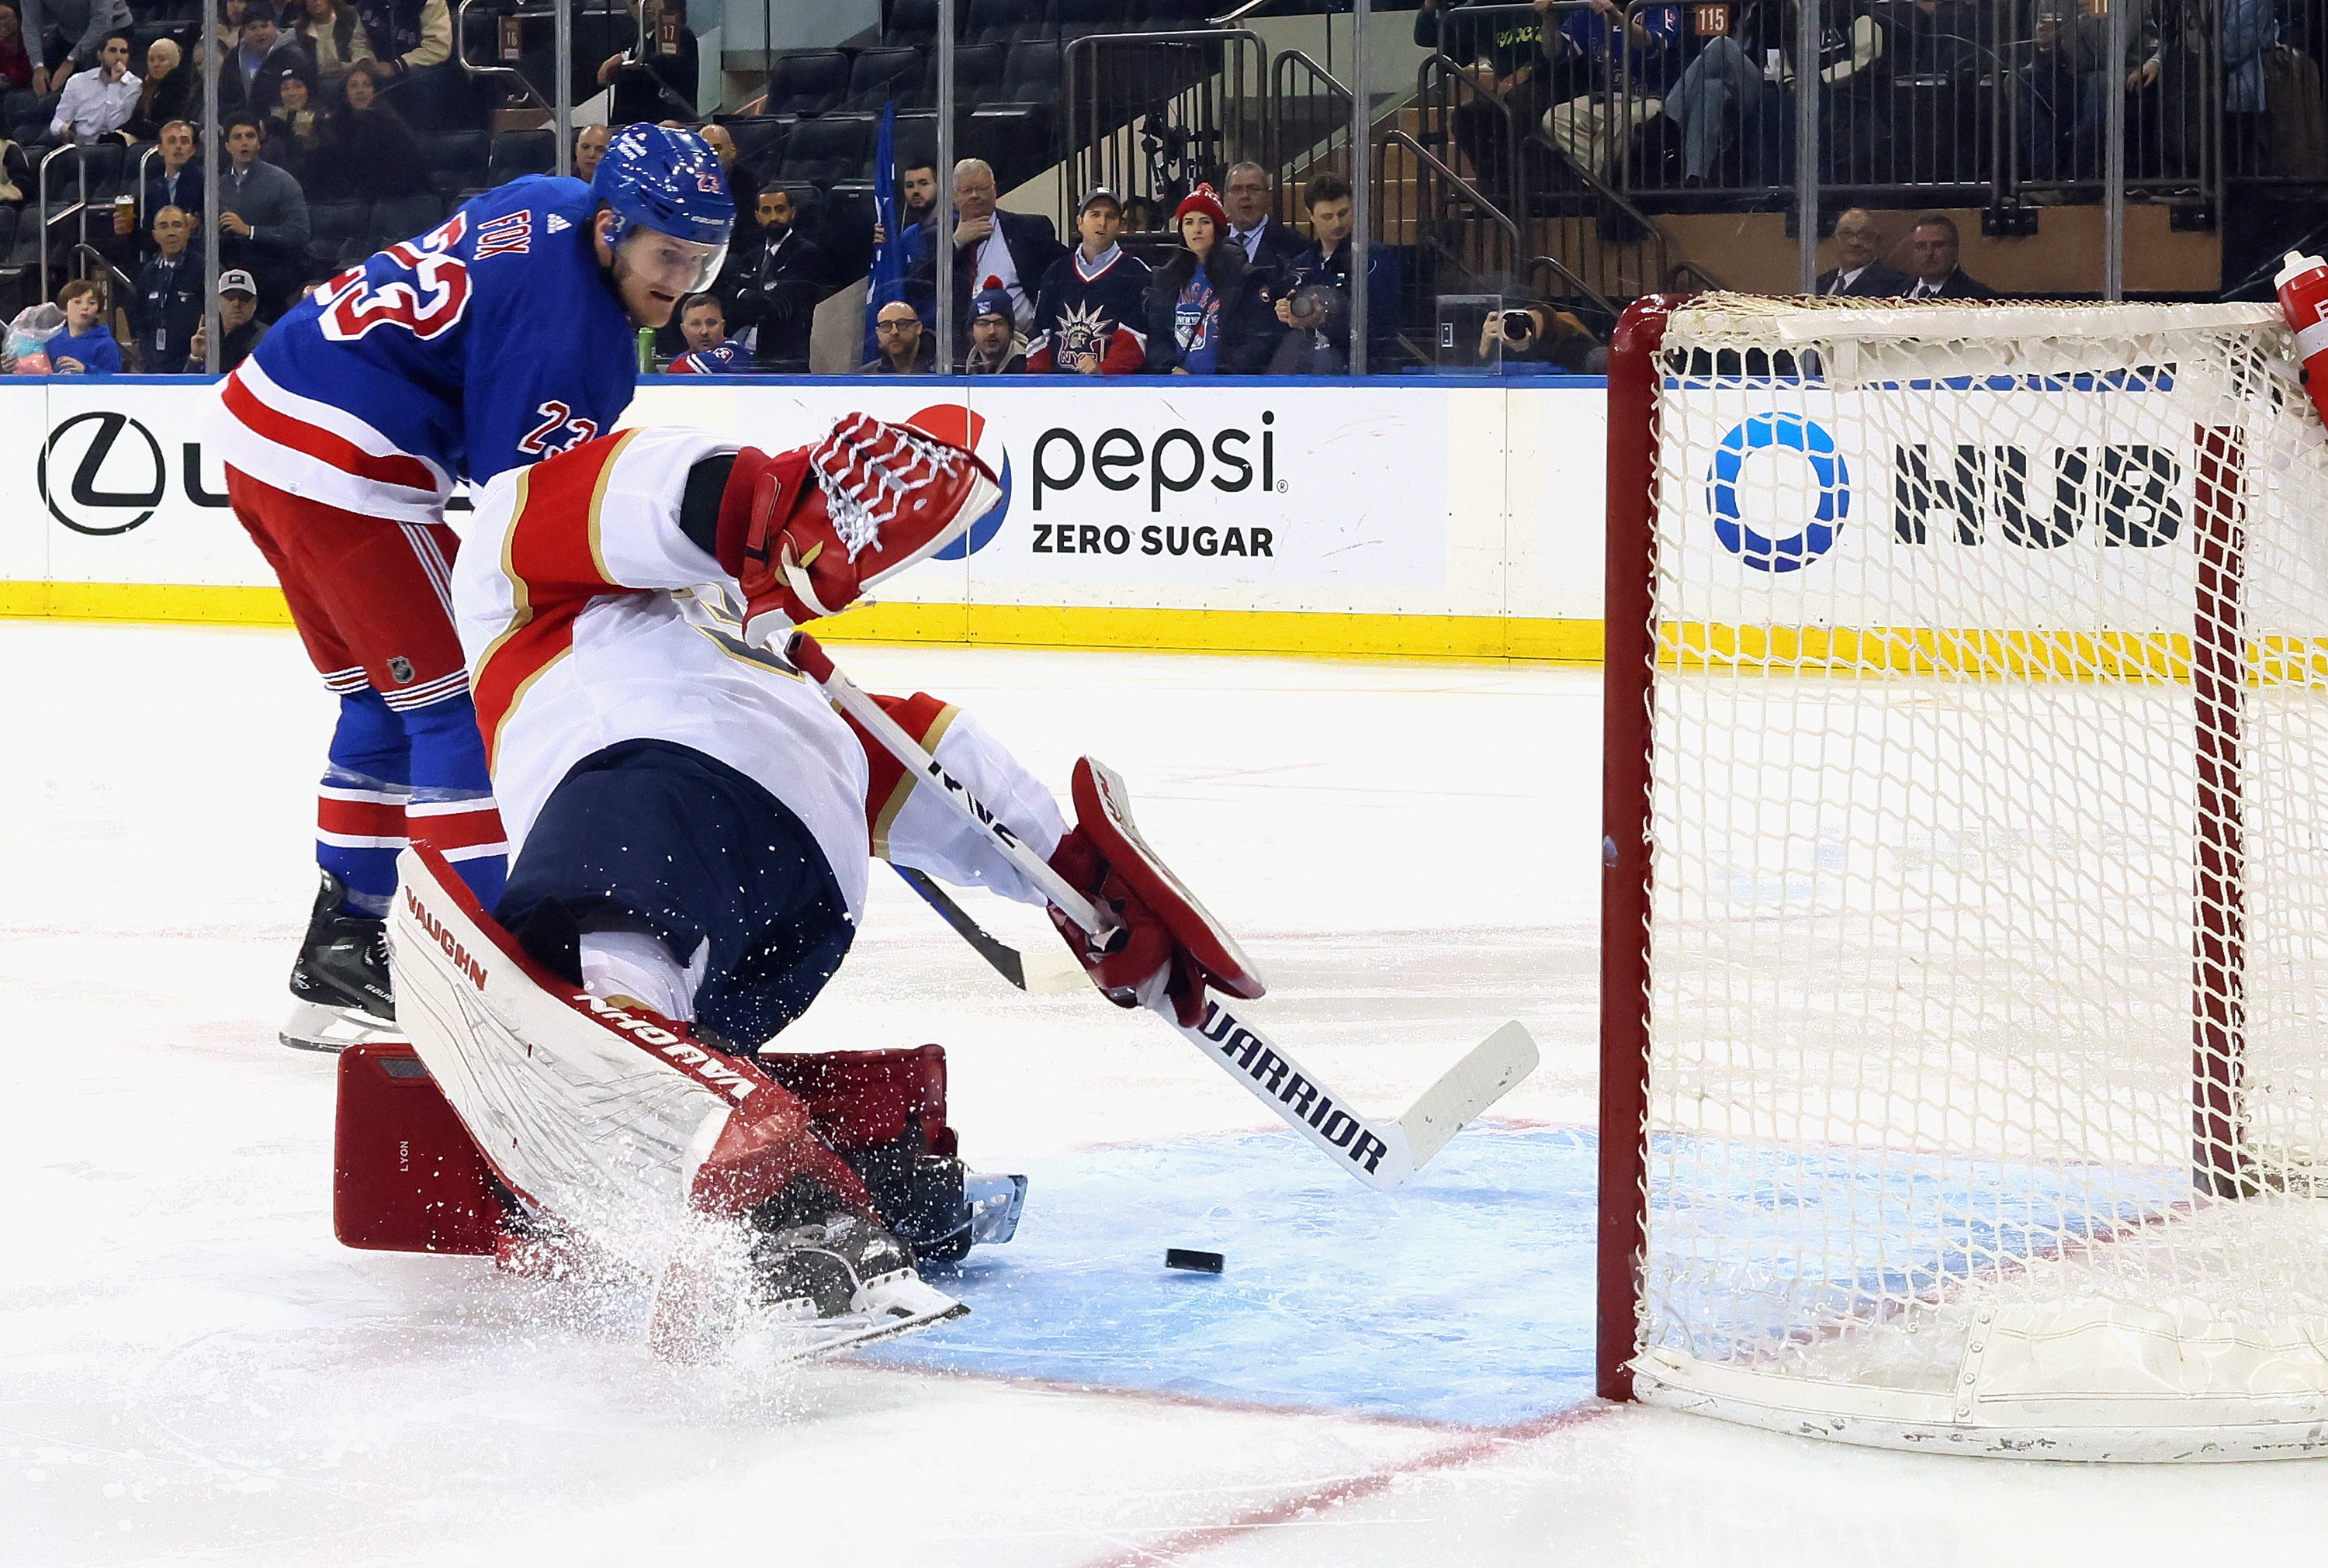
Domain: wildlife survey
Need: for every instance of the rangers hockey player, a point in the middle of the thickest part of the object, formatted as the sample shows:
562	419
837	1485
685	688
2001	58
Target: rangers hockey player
503	336
691	825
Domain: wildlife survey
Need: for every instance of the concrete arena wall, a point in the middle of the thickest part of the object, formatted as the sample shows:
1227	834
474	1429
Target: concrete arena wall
1438	517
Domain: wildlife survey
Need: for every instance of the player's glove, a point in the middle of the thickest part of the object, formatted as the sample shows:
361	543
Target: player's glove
868	500
1170	948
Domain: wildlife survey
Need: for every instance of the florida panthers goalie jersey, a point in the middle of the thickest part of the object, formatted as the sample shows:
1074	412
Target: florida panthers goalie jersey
589	618
486	343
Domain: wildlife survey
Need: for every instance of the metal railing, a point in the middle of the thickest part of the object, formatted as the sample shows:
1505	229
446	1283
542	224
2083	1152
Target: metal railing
1461	241
1310	119
42	219
509	73
1151	115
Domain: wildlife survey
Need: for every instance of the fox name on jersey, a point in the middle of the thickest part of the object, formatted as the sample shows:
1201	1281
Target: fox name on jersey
359	397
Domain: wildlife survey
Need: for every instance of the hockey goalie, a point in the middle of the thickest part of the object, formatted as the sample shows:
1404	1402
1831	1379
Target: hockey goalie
691	825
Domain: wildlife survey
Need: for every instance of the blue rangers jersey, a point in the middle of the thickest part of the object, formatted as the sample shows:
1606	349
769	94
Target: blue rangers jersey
485	345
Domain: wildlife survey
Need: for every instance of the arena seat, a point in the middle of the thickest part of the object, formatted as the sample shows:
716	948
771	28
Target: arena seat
807	82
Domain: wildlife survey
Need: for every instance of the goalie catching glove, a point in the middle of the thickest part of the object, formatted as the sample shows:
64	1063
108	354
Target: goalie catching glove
806	532
1171	947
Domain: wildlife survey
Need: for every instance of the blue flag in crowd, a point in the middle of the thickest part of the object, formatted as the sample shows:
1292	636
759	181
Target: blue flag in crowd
888	279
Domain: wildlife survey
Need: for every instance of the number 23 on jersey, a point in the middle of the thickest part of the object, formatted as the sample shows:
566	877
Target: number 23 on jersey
427	303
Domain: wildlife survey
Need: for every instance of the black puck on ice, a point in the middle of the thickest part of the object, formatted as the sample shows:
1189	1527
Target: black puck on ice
1195	1262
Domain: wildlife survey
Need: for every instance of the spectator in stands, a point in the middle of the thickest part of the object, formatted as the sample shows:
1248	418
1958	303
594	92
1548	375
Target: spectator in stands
996	348
64	36
239	328
917	189
1533	333
1859	268
368	153
1933	244
710	351
97	102
296	127
992	249
247	81
1091	316
173	180
2251	30
778	292
167	306
15	180
904	349
1633	59
332	36
15	62
167	94
1325	264
658	79
1505	58
262	213
412	44
2070	79
1210	311
1252	207
86	346
589	147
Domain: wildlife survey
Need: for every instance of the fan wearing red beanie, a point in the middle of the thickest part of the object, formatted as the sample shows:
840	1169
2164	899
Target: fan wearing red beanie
1211	312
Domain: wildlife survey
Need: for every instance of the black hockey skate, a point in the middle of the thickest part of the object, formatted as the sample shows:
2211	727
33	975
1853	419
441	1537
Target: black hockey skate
340	983
836	1277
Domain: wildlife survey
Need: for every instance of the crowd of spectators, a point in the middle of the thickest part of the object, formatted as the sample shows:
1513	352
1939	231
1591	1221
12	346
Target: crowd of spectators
1909	91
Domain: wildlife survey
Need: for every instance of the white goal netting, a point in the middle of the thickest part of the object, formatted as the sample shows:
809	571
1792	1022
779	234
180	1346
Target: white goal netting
1988	924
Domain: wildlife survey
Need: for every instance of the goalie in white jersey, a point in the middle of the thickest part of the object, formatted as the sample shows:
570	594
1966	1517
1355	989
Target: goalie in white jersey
690	827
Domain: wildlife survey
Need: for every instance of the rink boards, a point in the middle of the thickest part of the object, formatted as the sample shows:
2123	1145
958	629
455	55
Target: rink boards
1445	517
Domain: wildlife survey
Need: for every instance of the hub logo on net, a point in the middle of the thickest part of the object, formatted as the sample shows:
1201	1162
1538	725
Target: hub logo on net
1784	442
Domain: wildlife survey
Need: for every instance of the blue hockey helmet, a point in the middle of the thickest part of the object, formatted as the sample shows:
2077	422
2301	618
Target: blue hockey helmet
669	181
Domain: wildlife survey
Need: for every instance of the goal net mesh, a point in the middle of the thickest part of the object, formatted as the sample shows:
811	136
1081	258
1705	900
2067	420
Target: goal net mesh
1988	922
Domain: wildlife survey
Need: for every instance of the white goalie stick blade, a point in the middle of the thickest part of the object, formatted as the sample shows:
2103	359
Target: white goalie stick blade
1380	1152
1052	972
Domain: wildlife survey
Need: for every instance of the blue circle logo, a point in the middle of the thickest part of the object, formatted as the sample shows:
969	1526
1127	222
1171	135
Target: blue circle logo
1817	446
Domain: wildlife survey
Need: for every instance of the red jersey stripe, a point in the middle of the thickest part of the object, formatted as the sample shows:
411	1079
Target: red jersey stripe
551	557
324	446
460	831
887	784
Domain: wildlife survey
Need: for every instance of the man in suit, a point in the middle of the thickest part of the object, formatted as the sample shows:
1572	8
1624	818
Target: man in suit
1252	220
1933	244
1859	270
776	286
992	249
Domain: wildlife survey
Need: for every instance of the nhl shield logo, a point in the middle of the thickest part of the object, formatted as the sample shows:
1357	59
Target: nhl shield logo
401	667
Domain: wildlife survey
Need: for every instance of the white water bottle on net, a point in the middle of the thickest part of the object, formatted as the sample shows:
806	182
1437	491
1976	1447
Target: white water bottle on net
1965	913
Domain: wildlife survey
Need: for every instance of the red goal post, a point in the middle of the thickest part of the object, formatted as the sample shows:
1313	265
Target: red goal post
1965	940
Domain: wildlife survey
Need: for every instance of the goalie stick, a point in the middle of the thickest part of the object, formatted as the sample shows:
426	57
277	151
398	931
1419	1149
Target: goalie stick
1380	1152
1047	973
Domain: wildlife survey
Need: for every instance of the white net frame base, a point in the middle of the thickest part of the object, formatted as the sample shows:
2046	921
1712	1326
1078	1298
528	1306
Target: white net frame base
1980	1035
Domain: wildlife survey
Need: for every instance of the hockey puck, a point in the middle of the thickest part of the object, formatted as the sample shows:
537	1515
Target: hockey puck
1193	1261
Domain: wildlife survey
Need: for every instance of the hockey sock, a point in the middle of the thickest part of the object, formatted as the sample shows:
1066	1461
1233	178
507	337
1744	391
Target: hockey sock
452	807
636	964
360	805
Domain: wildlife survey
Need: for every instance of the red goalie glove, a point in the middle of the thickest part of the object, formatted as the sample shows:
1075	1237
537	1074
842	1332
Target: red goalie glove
821	527
1171	946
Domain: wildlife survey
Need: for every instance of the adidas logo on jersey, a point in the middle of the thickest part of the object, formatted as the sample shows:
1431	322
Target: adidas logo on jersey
557	225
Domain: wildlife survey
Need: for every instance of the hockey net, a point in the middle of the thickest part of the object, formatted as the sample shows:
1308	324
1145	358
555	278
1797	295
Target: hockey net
1966	926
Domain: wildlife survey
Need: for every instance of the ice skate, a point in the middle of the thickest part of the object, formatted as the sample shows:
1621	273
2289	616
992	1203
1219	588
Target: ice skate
340	981
835	1278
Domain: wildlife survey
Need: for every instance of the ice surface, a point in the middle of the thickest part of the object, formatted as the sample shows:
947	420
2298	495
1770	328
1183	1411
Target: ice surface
193	1370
